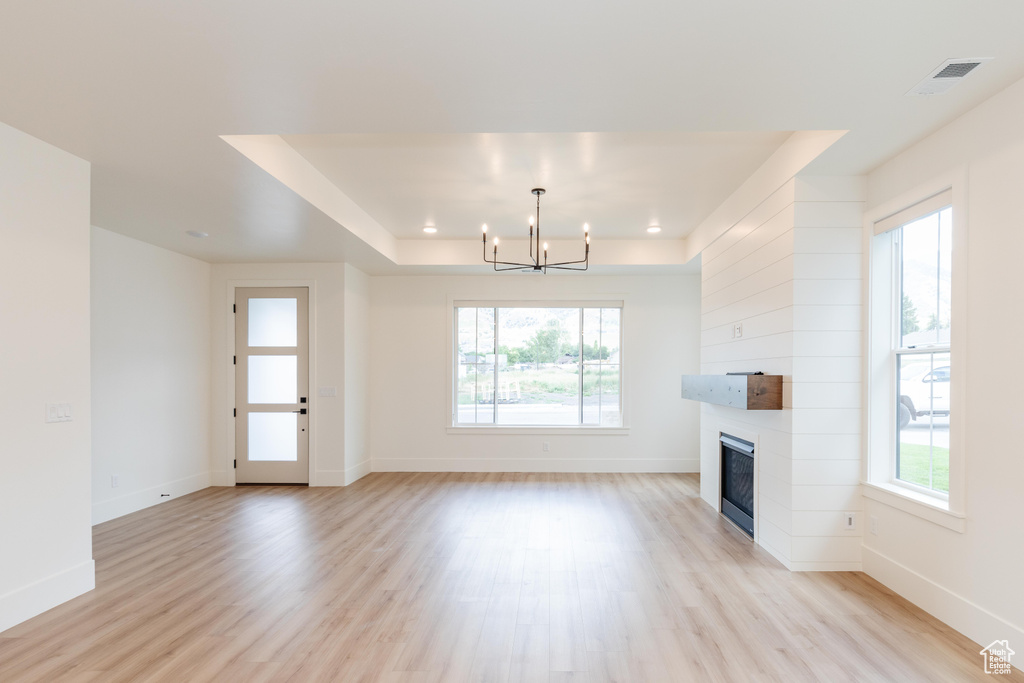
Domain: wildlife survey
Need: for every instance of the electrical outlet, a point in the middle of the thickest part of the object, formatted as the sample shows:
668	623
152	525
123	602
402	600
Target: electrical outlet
850	521
874	525
546	446
114	481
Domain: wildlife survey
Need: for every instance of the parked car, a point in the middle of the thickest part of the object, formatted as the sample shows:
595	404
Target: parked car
924	395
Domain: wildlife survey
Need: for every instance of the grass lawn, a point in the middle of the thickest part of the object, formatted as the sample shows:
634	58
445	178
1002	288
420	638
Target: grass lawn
914	466
552	384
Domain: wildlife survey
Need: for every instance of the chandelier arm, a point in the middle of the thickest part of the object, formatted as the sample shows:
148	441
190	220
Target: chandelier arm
563	267
514	267
509	263
569	263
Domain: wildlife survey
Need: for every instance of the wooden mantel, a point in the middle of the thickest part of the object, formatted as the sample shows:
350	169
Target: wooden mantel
746	392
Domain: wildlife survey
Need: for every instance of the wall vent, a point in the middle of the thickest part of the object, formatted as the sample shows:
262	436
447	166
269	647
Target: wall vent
949	73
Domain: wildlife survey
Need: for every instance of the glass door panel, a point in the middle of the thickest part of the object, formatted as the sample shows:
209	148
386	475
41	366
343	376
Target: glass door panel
273	379
272	437
273	322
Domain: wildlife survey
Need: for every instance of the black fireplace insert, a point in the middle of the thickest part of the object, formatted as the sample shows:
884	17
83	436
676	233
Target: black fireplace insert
738	482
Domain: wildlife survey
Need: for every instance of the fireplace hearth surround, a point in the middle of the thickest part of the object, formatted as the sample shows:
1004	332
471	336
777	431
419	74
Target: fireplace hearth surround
738	481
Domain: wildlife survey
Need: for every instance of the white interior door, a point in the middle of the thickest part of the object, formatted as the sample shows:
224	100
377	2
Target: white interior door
271	385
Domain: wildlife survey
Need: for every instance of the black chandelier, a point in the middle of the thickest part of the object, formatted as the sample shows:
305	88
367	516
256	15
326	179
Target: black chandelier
538	265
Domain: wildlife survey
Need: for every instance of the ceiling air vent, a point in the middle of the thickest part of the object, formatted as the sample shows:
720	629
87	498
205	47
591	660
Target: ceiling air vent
949	73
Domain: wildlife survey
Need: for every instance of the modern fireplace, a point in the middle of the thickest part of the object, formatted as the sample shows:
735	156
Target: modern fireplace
738	482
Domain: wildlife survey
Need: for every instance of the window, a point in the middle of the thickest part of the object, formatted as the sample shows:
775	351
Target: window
914	427
542	365
923	249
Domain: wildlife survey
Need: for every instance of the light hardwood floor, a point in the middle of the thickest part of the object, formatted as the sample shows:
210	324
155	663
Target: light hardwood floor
469	577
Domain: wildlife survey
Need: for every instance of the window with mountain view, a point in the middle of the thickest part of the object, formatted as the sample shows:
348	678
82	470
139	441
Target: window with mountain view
546	366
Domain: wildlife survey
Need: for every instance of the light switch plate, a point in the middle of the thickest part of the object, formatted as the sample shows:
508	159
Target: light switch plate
58	412
328	392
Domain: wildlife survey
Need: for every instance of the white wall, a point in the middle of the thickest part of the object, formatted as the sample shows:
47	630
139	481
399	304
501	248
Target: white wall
45	535
357	374
789	273
329	462
971	580
150	374
410	406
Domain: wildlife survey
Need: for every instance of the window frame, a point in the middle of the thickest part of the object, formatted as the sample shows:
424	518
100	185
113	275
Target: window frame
452	426
882	315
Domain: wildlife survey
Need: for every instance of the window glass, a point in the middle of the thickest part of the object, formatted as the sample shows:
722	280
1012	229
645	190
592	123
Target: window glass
923	356
925	279
923	443
474	381
539	366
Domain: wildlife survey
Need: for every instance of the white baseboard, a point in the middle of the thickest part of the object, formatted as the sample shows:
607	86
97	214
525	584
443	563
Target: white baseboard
341	477
28	601
533	465
106	510
357	472
970	619
826	566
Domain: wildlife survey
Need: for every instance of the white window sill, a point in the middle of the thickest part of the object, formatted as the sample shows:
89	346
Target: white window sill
526	430
930	508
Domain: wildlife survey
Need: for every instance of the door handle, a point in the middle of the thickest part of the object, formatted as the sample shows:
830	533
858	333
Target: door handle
300	412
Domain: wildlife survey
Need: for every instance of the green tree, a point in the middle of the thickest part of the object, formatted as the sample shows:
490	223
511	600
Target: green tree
910	323
545	345
593	352
513	354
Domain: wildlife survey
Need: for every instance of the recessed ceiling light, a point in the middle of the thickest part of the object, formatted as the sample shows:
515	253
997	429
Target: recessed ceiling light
430	229
654	228
197	233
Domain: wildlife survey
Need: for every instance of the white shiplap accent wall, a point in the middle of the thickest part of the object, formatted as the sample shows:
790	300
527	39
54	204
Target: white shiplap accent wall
825	386
747	277
789	272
